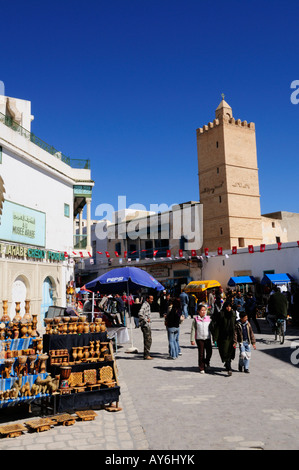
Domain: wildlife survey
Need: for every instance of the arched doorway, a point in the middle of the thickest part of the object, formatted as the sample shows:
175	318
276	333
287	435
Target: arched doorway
18	294
47	299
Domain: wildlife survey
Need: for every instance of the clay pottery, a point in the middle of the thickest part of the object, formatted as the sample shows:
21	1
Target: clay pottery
86	353
42	362
75	328
23	330
86	328
32	359
103	326
22	364
83	318
64	328
5	317
7	367
66	319
71	328
99	320
97	352
15	329
2	331
92	327
97	327
27	315
80	353
80	328
17	316
75	353
29	329
92	351
39	346
57	320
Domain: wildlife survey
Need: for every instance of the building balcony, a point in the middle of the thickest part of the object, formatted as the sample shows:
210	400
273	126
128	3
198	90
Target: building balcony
72	162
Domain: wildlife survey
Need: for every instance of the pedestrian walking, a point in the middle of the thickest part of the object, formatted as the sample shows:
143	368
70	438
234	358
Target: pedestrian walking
277	308
201	336
192	305
245	337
164	304
223	335
184	299
172	323
144	316
250	310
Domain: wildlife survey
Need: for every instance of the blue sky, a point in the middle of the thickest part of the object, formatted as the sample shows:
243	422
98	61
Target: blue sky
126	83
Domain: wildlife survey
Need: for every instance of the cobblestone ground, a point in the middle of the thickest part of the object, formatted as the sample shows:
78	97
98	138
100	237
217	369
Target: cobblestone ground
167	405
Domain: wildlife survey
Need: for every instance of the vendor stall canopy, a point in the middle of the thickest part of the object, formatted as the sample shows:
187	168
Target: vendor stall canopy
119	280
237	280
200	286
281	278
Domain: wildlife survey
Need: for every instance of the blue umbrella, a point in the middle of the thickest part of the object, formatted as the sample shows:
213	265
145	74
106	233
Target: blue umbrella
123	279
128	279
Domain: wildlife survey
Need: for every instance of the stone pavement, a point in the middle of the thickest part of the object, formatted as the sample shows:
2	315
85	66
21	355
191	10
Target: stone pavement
168	406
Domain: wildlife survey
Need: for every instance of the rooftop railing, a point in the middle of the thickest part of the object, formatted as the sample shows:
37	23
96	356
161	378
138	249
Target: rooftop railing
72	162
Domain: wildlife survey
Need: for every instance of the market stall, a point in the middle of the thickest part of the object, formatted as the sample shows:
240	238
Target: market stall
119	280
202	289
277	279
72	366
242	283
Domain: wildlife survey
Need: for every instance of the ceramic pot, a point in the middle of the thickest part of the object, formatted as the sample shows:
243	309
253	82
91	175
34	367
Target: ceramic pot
80	353
75	353
42	364
80	328
86	328
5	317
103	326
17	316
27	315
23	330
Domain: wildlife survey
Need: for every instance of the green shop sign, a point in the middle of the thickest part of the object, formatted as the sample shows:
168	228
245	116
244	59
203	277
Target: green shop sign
20	251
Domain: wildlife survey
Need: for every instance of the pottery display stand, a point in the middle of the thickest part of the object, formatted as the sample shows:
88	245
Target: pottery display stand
81	395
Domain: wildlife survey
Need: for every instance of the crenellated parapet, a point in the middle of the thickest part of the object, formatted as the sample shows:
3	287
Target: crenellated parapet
226	120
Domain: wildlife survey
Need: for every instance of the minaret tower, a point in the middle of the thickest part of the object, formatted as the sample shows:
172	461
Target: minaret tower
228	181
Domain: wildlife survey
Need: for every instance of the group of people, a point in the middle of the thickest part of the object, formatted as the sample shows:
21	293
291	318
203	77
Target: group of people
226	328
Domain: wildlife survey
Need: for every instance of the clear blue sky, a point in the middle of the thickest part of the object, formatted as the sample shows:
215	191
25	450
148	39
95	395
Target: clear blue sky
126	83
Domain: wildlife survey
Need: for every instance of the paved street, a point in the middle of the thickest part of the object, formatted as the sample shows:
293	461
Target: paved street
167	405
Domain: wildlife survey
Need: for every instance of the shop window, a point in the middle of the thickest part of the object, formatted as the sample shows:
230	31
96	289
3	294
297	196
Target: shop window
241	242
66	210
118	248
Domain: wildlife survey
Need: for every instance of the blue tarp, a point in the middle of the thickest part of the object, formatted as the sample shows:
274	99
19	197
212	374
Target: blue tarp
241	280
281	278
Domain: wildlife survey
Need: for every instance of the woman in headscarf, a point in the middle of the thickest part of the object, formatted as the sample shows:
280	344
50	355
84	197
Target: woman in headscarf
223	334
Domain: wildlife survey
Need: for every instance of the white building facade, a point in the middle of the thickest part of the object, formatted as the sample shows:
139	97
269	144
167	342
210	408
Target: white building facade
41	194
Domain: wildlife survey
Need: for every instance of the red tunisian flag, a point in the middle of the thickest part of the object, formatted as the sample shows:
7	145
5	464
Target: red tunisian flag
168	253
155	252
279	245
250	249
262	248
193	252
180	253
219	250
116	254
206	251
107	254
234	250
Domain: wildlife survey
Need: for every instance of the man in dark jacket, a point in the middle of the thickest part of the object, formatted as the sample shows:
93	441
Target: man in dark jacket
277	307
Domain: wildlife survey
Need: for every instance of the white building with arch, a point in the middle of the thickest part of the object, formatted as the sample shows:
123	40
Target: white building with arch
42	192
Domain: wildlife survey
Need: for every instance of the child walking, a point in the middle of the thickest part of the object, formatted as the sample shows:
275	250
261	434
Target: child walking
201	336
245	337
